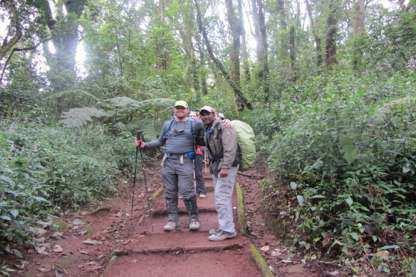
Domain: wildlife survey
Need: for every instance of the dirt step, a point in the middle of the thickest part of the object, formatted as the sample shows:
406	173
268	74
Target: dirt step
155	225
182	242
182	211
203	203
228	263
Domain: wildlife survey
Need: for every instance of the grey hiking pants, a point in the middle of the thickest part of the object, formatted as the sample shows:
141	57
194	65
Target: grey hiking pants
199	177
223	193
178	177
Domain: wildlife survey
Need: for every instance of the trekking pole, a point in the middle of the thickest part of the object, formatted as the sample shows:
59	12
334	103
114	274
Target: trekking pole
140	136
134	177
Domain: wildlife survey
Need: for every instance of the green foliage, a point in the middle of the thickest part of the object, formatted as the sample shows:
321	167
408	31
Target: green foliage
78	117
44	170
348	163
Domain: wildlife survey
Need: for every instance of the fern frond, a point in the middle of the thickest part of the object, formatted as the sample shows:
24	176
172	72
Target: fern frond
78	117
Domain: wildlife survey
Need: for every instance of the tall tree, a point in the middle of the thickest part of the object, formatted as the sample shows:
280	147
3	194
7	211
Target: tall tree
244	52
202	70
262	46
65	35
281	11
24	30
358	33
188	34
241	101
235	46
292	52
331	34
315	32
161	51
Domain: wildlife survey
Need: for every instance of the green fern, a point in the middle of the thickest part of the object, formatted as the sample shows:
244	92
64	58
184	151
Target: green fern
79	117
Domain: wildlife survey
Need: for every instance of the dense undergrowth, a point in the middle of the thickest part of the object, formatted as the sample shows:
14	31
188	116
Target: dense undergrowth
45	170
343	161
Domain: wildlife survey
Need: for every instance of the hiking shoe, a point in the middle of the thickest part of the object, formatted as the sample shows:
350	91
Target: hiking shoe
213	231
222	235
202	195
194	225
170	226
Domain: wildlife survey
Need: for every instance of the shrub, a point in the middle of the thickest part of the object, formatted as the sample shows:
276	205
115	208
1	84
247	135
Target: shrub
44	170
348	162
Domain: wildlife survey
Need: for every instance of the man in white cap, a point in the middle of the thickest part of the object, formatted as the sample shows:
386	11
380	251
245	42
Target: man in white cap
179	135
224	158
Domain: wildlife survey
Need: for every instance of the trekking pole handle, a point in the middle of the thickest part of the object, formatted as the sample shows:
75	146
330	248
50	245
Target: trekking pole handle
139	135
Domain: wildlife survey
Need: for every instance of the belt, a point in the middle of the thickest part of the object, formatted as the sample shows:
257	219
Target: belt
174	154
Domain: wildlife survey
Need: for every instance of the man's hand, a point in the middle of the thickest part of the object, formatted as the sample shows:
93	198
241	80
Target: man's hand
223	172
227	123
139	143
199	150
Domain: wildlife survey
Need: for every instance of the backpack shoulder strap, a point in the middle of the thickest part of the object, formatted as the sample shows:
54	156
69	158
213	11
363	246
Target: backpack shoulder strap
167	130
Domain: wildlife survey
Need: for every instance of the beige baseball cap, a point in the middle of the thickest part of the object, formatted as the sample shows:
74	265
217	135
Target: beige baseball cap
181	103
208	109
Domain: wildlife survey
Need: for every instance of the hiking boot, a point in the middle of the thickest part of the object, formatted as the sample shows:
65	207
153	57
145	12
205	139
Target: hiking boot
222	235
170	226
213	231
194	225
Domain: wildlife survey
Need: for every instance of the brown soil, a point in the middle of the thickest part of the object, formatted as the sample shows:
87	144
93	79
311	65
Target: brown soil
122	245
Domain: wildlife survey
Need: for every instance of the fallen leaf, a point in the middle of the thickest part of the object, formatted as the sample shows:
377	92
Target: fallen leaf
44	268
92	242
41	249
22	265
275	253
333	273
265	248
38	232
44	224
59	272
57	235
77	221
384	254
58	249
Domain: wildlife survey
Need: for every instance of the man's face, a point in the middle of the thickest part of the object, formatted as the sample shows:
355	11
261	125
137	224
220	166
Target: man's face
207	117
180	112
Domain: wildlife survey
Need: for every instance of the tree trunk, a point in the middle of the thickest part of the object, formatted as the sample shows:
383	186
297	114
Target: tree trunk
261	37
317	38
235	47
202	71
292	53
244	52
241	101
281	11
188	33
331	35
359	34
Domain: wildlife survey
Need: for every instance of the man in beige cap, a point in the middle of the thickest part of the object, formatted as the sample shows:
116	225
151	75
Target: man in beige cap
179	135
224	158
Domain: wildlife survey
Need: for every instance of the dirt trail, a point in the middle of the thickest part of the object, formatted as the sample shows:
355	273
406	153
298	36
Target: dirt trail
152	252
101	244
106	240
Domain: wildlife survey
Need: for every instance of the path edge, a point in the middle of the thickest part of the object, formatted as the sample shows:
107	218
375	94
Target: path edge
254	251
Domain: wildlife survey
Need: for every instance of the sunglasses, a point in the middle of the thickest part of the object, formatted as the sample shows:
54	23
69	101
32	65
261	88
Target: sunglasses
203	113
